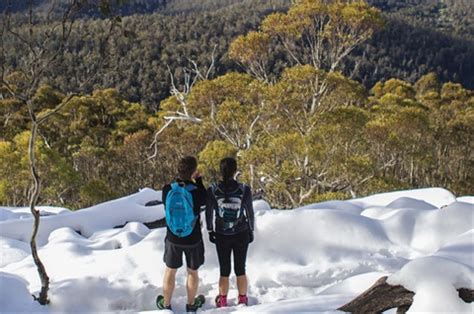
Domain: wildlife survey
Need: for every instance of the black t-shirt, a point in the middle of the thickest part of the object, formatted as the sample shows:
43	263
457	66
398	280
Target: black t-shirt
199	200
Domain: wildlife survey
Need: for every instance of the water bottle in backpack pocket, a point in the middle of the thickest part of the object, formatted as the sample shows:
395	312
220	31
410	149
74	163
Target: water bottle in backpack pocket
179	209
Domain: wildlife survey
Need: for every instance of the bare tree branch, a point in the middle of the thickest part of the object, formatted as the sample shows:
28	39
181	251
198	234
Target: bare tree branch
191	77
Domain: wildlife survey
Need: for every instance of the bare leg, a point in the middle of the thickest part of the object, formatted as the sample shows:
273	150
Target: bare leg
242	284
192	283
223	285
168	284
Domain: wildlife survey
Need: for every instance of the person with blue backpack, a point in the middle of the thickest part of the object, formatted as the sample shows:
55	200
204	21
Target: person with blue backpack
184	200
230	223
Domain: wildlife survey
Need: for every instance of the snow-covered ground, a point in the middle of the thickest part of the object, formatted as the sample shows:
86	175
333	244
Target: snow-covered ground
313	259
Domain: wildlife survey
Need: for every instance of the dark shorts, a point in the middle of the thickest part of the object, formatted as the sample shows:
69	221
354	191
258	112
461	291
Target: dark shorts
173	256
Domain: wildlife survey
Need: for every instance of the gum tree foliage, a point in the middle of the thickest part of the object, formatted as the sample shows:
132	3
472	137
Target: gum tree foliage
293	148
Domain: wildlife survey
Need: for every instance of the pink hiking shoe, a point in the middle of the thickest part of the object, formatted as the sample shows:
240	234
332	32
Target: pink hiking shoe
243	299
221	301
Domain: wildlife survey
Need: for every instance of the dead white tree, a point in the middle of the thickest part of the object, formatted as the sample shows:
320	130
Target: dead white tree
42	49
192	75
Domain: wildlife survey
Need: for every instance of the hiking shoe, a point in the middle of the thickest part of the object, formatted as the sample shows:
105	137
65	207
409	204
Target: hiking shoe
191	308
243	299
221	301
160	303
198	302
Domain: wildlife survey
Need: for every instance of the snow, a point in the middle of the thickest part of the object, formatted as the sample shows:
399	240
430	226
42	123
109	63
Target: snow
434	281
336	205
261	205
428	230
7	213
315	258
436	196
89	220
15	296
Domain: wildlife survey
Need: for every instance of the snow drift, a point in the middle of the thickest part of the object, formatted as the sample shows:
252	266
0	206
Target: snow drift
315	258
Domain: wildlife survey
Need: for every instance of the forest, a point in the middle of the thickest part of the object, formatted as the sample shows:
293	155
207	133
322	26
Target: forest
386	105
419	37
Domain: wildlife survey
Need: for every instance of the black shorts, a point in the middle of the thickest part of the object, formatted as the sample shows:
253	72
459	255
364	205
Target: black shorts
173	256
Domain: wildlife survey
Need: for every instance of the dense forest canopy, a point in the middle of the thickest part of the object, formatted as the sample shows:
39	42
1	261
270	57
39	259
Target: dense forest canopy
306	124
420	36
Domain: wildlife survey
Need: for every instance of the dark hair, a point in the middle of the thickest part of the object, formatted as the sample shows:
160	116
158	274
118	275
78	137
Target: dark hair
186	167
228	168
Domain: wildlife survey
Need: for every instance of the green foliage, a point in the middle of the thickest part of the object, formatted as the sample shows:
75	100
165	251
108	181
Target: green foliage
15	175
302	134
328	30
329	196
210	157
381	185
98	147
252	50
420	36
96	191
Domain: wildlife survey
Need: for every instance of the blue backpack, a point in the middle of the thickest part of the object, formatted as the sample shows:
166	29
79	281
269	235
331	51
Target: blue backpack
179	210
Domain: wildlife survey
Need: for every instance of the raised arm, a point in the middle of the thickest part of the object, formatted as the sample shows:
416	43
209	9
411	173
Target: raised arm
210	210
200	195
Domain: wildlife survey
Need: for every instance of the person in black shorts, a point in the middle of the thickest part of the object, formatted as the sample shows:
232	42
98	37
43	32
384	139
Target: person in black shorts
191	246
230	222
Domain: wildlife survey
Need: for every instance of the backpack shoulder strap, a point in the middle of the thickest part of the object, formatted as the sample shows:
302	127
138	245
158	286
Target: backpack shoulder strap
174	185
190	187
215	188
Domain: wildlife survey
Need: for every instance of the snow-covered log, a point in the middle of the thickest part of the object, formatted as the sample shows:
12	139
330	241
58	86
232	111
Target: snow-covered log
467	295
382	296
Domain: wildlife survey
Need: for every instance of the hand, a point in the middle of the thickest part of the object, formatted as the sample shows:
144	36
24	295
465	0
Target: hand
195	175
212	237
250	235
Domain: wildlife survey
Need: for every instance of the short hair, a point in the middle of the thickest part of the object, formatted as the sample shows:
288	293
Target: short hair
228	168
186	167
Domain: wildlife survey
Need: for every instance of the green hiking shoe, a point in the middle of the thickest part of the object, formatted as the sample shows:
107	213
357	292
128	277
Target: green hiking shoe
160	303
198	302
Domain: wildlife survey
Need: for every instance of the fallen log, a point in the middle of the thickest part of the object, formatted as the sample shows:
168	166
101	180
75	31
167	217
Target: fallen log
381	297
467	295
160	223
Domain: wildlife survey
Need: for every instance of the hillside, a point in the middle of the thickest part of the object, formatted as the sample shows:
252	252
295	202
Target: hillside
445	15
420	36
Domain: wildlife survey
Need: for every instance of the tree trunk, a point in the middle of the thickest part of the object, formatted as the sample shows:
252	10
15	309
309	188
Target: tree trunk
33	198
467	295
382	296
